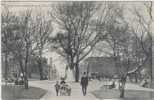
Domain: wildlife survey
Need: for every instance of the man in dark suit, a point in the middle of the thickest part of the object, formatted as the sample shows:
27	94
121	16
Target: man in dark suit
84	83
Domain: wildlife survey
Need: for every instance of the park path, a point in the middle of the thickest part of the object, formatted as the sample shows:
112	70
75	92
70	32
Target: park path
76	90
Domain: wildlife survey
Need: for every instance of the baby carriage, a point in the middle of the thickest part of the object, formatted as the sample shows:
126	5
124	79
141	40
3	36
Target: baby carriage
65	90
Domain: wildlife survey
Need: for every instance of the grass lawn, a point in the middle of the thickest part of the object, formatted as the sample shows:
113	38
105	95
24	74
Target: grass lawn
129	94
18	92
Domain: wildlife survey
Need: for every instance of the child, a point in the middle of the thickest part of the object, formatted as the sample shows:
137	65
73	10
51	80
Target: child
57	87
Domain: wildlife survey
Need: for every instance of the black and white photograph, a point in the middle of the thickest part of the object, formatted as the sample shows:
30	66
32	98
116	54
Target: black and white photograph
77	50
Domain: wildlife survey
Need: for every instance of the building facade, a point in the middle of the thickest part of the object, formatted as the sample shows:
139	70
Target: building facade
105	66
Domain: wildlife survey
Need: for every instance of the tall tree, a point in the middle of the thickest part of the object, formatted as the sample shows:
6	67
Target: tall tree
20	41
123	44
42	36
144	27
8	20
79	35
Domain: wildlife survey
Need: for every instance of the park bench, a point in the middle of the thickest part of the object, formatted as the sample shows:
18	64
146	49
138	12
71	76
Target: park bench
110	85
19	82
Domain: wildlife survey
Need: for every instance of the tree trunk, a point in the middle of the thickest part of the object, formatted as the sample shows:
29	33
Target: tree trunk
136	78
26	63
122	91
6	67
25	81
6	59
150	64
40	69
122	87
40	64
77	72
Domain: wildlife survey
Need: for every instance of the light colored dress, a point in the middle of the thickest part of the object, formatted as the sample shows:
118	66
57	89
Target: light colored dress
69	75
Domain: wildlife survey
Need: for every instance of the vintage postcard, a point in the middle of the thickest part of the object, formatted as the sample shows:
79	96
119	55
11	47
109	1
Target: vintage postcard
77	50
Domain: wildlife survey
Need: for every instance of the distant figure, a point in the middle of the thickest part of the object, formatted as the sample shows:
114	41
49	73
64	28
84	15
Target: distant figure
84	83
57	87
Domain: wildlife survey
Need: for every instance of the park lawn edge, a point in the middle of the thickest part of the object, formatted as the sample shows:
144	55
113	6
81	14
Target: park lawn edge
19	92
129	94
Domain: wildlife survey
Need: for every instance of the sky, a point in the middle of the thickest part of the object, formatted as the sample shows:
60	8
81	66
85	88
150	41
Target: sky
44	7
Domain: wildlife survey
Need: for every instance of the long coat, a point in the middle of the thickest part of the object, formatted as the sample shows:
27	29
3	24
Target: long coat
84	81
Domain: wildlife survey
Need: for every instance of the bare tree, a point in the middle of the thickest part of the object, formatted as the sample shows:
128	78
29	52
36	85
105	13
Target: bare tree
20	41
123	44
144	27
79	34
25	36
8	20
41	38
23	43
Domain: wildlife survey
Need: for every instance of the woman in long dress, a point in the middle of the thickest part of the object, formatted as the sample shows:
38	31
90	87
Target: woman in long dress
69	75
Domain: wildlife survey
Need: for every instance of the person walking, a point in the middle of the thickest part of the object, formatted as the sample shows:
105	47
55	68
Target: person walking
84	83
57	87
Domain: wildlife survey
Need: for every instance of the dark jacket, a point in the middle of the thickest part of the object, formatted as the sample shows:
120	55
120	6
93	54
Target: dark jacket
84	81
57	86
